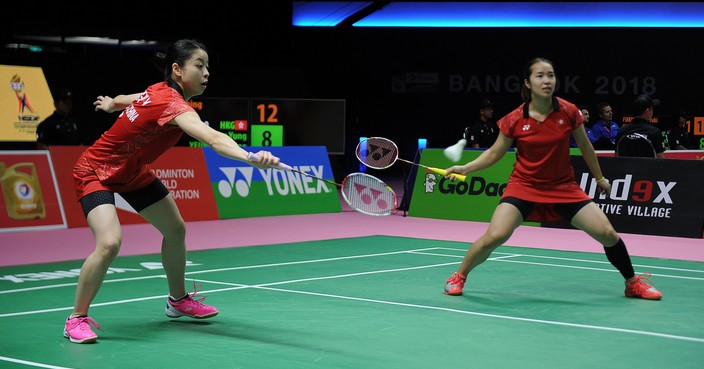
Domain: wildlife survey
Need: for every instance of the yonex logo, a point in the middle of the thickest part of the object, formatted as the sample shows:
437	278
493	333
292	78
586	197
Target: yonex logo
277	181
239	183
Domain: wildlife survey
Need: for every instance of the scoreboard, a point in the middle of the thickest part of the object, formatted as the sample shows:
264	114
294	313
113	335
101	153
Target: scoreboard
274	121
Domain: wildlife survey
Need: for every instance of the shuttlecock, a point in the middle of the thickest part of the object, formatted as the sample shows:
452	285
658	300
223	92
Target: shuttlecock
454	152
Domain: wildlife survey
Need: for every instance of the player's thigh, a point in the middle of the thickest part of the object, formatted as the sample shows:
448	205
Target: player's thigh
593	221
105	225
165	216
504	221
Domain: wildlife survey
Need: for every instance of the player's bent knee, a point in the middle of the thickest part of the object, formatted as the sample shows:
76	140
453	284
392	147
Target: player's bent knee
109	246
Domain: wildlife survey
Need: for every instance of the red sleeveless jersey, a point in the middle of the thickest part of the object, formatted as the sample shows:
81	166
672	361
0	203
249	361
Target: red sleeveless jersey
120	158
543	172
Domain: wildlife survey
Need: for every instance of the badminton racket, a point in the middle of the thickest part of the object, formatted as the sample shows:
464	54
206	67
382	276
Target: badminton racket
381	153
362	192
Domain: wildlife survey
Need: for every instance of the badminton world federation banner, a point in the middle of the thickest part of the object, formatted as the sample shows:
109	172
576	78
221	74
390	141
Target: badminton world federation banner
242	190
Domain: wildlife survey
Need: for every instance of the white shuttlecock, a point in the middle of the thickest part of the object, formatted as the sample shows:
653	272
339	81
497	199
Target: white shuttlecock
454	152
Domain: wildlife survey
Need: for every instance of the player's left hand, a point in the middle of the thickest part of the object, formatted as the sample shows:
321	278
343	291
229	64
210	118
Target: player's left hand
604	187
103	103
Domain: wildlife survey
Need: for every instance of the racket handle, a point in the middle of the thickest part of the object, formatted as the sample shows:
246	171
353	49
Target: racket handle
254	157
443	172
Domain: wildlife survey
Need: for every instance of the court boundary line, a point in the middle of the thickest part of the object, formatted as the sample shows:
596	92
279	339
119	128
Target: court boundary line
411	251
31	363
238	286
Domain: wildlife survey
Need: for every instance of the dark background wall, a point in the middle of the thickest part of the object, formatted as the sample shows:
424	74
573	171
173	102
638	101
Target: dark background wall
399	83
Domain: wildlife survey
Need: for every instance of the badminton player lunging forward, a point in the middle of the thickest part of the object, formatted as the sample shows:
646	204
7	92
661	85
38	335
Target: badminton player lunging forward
542	185
151	123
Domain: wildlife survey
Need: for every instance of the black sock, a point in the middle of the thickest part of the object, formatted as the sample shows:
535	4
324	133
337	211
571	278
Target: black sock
618	256
174	299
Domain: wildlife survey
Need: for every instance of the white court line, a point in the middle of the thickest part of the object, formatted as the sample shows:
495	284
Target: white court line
226	289
416	251
220	270
507	317
31	363
413	251
557	258
75	283
500	259
267	286
513	255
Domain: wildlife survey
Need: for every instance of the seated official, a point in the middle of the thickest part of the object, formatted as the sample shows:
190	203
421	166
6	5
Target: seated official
640	126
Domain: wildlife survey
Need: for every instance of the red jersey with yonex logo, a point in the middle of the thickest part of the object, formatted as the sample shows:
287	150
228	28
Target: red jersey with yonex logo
120	157
543	172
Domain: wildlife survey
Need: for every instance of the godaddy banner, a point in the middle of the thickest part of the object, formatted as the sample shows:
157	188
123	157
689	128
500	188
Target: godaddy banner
242	190
475	200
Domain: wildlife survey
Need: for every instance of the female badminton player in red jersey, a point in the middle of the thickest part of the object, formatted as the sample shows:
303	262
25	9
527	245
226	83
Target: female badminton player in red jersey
150	123
542	185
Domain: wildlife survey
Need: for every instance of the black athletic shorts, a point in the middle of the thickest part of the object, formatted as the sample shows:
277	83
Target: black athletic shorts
138	199
566	210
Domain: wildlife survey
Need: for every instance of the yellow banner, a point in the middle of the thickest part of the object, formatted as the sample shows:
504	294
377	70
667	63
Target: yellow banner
25	101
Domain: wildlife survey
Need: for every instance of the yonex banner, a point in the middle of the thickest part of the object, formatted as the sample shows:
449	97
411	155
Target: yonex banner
242	190
649	196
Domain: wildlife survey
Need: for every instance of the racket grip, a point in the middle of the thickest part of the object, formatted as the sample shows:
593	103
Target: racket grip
254	157
443	172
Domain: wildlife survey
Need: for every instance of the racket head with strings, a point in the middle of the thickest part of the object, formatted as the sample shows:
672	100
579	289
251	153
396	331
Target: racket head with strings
377	152
381	153
369	195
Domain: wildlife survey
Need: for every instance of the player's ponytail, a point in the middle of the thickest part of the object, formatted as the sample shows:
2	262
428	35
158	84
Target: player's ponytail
179	52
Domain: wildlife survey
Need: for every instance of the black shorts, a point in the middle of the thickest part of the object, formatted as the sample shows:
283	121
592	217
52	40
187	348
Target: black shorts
566	210
138	199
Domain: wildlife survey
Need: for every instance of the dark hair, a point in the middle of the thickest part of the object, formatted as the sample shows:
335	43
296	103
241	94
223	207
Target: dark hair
527	70
179	52
679	113
643	102
601	106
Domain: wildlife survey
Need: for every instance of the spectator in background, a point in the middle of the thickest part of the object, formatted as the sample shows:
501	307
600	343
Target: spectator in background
605	130
643	110
587	126
678	137
484	131
61	127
